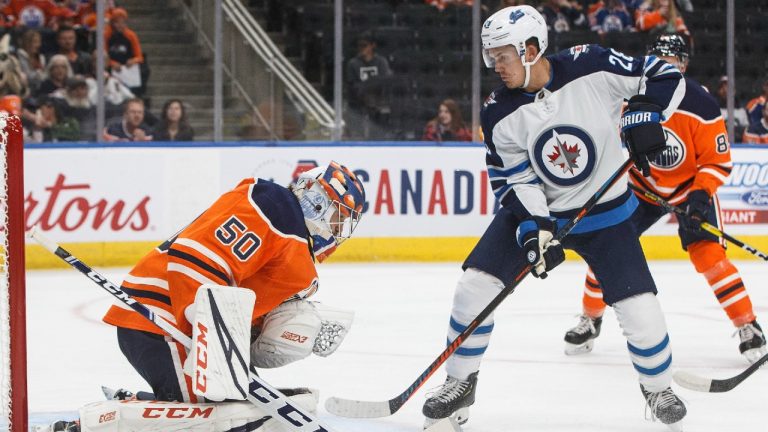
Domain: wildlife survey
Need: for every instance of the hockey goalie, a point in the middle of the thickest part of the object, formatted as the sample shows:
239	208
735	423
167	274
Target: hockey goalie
237	281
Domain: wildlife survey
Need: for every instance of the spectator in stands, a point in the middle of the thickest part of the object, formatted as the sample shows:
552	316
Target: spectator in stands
173	124
739	114
660	15
37	14
448	125
66	40
367	81
755	106
442	4
48	123
77	105
757	133
32	62
613	16
57	72
131	126
124	47
562	15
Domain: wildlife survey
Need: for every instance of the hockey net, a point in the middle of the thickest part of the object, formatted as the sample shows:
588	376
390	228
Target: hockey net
13	359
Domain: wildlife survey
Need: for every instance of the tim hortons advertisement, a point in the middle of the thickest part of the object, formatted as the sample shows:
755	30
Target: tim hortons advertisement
142	194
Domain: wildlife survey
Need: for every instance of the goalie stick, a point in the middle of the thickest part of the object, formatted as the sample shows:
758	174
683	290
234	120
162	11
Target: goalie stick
706	226
260	393
711	385
370	409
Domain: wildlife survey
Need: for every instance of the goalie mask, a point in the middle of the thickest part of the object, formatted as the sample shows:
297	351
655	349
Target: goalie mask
514	26
331	199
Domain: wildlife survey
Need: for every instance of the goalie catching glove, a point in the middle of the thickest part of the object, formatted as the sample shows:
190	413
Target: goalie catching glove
642	131
535	235
295	329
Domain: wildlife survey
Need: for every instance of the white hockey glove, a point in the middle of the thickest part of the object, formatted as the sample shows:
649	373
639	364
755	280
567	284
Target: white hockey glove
296	329
535	235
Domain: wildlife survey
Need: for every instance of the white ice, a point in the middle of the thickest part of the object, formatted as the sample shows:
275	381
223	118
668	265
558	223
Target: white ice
526	383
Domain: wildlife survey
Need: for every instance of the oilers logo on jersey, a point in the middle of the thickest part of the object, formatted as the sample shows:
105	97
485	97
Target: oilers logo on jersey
565	154
673	155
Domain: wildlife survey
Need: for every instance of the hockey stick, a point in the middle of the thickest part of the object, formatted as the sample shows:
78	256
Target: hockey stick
711	385
706	226
260	393
367	409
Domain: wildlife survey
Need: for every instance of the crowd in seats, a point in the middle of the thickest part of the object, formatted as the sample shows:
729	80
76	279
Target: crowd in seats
427	47
48	74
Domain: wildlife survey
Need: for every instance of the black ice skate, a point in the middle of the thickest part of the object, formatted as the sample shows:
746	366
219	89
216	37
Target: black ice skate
581	339
666	407
752	344
451	400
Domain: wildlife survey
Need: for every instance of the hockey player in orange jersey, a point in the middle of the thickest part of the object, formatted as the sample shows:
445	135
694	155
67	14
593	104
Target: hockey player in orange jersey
260	236
696	162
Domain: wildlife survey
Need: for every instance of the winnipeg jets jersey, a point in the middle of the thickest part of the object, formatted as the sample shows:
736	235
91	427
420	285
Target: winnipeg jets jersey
549	152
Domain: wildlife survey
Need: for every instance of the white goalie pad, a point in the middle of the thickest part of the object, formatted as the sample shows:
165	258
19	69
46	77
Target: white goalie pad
295	329
221	335
154	416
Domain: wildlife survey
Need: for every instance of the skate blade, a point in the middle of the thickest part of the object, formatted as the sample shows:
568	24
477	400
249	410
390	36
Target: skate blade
459	417
676	427
573	349
443	425
755	354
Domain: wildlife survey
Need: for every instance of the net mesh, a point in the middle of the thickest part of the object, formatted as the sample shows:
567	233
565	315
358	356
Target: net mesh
5	323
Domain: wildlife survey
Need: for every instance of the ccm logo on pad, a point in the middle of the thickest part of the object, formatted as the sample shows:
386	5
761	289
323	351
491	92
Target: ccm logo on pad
293	337
177	413
107	417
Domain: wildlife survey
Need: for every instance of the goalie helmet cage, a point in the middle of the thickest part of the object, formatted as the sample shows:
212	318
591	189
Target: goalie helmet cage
13	380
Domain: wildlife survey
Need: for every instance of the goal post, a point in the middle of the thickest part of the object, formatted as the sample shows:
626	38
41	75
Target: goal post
13	381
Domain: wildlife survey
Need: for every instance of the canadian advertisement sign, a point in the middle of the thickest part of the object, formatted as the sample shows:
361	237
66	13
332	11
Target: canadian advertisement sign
141	194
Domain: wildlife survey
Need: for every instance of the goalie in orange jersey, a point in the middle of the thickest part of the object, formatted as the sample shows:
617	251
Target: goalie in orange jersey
262	237
695	163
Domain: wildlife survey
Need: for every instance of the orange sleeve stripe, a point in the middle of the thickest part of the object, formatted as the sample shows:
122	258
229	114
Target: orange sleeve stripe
134	39
199	265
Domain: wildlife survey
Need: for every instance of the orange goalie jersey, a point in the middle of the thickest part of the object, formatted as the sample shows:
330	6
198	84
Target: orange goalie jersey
253	236
697	156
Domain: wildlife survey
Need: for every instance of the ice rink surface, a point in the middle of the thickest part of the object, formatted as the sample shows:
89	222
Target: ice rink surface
526	383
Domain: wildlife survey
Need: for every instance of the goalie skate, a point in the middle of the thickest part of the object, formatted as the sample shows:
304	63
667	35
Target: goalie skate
581	339
453	400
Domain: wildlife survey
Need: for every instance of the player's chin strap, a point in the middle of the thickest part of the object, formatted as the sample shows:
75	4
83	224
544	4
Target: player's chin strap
291	415
527	66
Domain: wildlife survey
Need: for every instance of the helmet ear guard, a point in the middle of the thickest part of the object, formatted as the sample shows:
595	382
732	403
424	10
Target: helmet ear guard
332	200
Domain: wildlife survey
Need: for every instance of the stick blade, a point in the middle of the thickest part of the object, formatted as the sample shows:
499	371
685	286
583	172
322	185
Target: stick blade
357	409
692	382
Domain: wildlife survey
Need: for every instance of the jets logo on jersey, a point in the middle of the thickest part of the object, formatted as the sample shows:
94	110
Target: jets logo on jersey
491	99
577	50
673	155
565	154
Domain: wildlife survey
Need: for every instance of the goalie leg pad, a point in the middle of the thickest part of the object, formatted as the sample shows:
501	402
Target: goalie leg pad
288	334
155	416
221	335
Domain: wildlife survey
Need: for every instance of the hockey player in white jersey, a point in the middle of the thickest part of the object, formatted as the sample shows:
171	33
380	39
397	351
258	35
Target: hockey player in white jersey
551	141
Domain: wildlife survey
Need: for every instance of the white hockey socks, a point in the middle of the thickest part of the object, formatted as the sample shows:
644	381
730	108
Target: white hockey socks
644	327
473	293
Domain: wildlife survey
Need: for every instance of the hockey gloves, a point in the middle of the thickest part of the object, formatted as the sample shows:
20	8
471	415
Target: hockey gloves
535	235
641	127
697	208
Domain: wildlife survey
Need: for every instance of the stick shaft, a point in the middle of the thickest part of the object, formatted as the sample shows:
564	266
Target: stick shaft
397	402
706	226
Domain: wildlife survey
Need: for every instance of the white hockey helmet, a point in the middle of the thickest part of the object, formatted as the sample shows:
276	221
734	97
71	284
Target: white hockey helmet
332	200
514	25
